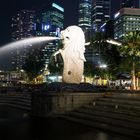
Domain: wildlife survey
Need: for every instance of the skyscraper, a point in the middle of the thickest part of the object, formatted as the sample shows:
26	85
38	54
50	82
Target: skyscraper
52	18
51	21
100	13
84	20
126	20
23	26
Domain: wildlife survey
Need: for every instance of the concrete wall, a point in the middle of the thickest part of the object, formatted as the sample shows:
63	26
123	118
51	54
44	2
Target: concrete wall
50	104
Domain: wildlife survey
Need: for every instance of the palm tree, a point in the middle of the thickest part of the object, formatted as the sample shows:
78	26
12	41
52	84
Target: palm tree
130	51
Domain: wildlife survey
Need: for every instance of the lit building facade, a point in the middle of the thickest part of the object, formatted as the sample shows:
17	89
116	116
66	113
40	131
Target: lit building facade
100	13
84	20
51	23
23	26
126	20
49	19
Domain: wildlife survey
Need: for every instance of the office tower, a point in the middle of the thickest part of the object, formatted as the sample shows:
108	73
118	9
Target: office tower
50	17
100	13
84	20
126	20
50	23
23	26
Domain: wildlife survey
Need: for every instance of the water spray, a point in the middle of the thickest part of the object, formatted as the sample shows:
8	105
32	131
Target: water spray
26	42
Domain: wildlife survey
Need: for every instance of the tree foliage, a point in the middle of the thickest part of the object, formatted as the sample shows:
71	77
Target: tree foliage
106	54
131	44
34	63
130	50
55	64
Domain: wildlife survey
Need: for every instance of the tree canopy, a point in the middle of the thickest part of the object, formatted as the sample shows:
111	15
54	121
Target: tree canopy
34	63
130	52
105	54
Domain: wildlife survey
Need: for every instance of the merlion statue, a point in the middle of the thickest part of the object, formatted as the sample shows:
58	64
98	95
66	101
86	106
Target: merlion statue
73	40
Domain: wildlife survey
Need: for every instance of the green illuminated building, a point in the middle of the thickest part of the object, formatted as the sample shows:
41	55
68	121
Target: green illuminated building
50	22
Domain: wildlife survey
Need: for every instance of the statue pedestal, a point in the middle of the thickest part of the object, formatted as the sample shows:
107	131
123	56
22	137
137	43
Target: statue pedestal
52	104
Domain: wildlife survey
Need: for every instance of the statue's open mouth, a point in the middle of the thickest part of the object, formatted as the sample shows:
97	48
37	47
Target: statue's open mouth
62	37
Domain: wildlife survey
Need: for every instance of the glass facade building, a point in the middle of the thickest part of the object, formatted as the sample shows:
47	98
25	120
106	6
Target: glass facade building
84	20
100	13
22	26
51	22
49	19
126	20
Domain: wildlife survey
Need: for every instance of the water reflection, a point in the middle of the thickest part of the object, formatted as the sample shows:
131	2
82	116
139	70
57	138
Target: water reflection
54	129
22	128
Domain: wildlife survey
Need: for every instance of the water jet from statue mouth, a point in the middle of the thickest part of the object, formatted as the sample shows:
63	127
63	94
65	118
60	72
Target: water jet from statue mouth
26	42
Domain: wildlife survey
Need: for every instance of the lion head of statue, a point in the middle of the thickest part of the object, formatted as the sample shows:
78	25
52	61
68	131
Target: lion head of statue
73	38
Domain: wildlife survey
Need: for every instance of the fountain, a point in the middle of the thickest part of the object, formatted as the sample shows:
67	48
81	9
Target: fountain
70	93
73	54
46	102
29	41
73	40
21	46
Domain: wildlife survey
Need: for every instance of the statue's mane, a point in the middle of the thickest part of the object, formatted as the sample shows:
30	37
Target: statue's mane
76	40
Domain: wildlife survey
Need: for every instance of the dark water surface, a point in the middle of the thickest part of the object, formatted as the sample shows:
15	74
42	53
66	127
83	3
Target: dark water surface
16	125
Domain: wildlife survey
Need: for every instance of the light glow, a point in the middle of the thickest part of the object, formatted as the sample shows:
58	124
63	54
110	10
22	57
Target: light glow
114	42
103	66
116	15
58	7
